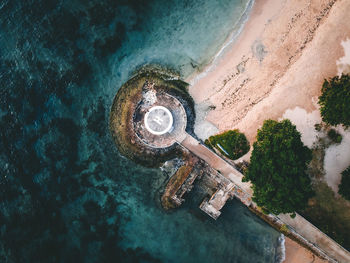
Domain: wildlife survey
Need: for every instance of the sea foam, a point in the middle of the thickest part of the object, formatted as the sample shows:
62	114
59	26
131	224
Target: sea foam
281	250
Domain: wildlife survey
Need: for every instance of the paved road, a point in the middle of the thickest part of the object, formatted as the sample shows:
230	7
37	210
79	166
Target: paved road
299	224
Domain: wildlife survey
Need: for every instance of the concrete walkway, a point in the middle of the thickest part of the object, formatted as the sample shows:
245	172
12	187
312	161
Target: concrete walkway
316	237
300	225
216	162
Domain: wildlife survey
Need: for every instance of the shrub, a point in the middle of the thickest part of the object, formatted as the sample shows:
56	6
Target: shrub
335	101
318	127
334	136
207	143
232	144
284	229
344	187
277	168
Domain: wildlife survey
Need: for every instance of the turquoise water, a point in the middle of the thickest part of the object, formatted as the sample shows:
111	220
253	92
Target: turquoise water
66	193
181	35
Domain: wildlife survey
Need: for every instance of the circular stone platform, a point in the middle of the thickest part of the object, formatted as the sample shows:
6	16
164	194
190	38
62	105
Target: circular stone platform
142	95
158	120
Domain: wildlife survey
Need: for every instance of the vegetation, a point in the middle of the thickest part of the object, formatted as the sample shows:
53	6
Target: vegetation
284	229
232	144
277	168
318	127
335	101
344	187
335	136
242	166
329	213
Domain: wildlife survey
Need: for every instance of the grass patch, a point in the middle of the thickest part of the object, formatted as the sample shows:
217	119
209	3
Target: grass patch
232	144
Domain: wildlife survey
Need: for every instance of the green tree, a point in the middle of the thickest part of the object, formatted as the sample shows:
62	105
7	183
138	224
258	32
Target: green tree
277	168
344	187
232	144
335	101
335	136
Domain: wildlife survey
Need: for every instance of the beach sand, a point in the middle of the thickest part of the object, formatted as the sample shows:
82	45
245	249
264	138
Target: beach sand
278	63
297	254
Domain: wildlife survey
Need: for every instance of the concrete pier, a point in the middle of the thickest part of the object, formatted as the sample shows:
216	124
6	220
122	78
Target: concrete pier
216	162
148	121
312	237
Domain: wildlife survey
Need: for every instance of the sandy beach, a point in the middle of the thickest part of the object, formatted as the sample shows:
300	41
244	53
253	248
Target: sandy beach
298	254
278	63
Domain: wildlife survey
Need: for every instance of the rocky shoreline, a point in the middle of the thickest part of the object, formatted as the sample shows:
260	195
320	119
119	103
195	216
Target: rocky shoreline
127	100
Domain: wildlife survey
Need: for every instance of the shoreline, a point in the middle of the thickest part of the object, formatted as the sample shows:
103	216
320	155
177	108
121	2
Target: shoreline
226	46
252	16
269	57
272	62
294	247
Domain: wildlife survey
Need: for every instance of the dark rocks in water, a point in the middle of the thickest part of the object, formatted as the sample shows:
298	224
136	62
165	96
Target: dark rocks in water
46	178
97	119
110	44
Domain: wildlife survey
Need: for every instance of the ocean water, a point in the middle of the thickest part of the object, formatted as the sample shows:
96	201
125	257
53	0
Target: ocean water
66	194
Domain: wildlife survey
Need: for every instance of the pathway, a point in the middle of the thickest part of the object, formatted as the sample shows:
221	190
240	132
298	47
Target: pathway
316	237
216	162
313	236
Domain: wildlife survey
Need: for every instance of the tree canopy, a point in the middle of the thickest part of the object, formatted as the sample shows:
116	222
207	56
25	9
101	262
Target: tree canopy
232	144
335	101
344	187
277	168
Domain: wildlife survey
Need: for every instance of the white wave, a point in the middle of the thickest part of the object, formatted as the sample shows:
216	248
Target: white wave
281	250
231	39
